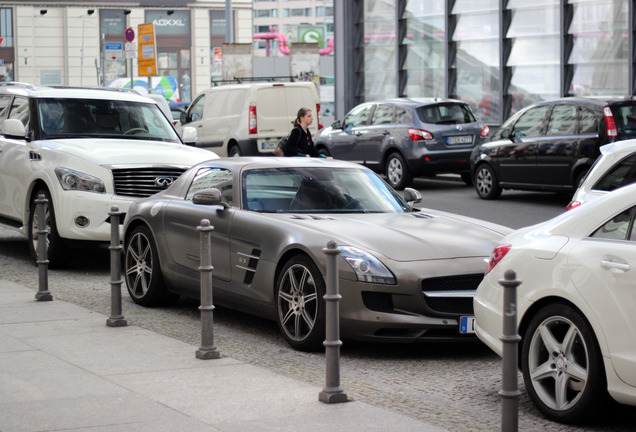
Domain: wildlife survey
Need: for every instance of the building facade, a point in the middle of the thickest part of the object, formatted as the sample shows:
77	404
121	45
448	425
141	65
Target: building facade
499	55
69	43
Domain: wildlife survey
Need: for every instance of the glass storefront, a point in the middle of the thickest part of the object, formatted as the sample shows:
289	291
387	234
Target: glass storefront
379	49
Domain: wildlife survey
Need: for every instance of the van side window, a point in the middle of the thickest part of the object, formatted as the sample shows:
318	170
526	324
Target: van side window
529	124
562	120
196	110
588	122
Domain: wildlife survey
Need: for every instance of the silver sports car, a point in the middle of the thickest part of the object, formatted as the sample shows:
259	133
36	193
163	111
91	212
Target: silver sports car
405	274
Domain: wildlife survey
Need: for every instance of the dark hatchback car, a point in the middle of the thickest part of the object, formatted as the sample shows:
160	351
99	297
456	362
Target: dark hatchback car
407	137
551	145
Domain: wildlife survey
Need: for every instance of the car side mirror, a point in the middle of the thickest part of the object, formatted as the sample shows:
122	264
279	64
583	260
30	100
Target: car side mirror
412	196
189	135
13	128
505	134
209	196
336	125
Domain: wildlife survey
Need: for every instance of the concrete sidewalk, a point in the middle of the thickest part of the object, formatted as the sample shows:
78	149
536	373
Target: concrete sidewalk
62	368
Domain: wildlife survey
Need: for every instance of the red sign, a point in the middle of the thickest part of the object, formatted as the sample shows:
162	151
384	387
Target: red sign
130	34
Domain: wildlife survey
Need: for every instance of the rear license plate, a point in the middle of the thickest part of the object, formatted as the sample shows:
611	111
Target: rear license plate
462	139
467	325
268	145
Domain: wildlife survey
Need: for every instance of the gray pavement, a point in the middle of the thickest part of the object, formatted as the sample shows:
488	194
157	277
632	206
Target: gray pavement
62	368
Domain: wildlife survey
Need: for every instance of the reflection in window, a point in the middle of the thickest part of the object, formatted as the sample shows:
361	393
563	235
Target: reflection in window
358	117
529	124
600	53
477	62
383	115
588	122
218	178
379	50
619	227
562	120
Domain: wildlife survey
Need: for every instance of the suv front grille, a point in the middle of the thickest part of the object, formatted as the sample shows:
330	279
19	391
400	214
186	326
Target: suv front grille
143	182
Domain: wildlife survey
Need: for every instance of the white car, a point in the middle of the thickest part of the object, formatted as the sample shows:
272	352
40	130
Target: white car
85	150
615	168
576	306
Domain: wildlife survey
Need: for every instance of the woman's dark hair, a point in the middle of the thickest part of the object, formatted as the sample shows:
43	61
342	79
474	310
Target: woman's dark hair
301	113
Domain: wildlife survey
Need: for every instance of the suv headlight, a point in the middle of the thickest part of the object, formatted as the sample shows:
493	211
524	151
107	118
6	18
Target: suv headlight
366	267
75	180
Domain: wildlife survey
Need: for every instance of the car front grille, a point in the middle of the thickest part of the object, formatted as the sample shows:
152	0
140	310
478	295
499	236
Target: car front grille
451	294
143	182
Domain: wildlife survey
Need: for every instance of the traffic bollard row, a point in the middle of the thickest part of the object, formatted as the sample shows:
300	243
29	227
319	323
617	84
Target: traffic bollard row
43	293
509	387
116	318
332	392
207	350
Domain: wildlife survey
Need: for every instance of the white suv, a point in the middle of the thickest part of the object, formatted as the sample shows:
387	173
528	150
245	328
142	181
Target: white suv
85	150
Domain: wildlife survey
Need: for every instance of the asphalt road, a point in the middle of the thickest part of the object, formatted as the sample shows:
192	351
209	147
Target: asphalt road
452	385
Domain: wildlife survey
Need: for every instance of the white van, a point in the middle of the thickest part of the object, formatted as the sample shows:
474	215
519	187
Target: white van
249	119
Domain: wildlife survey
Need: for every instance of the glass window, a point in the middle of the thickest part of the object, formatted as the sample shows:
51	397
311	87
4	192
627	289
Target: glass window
625	117
621	174
383	114
217	23
588	122
450	113
196	110
218	178
379	50
402	116
20	111
6	28
4	105
530	122
562	120
357	117
618	228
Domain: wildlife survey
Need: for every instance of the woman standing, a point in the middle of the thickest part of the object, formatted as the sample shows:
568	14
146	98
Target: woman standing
300	142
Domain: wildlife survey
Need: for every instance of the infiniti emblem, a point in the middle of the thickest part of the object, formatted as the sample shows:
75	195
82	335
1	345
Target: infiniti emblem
163	182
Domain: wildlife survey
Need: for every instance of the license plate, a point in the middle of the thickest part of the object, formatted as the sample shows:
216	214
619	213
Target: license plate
268	145
462	139
467	325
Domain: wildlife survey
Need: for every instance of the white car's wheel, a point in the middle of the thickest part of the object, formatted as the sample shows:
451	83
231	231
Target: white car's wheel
299	299
562	365
58	252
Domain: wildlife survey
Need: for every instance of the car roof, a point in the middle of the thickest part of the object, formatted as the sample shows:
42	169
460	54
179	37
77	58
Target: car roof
594	100
416	101
624	146
34	91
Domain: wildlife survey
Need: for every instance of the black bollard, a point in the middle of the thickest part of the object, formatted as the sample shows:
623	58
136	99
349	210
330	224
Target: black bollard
43	293
116	318
207	350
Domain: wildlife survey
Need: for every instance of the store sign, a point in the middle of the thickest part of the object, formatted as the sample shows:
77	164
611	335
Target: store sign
177	23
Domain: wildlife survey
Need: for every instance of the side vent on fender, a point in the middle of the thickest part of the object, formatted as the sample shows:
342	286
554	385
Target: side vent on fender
251	261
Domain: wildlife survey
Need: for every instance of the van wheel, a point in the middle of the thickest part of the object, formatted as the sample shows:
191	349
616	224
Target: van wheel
234	151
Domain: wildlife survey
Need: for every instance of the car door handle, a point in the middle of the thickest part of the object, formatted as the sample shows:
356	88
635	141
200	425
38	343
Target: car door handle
386	132
615	267
358	133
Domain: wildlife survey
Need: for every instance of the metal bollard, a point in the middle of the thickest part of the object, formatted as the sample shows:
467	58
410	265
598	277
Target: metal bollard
207	350
43	293
332	392
116	318
509	389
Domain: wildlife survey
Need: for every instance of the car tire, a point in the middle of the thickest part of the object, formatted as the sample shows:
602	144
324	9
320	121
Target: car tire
562	365
467	178
299	301
397	171
142	270
323	151
234	151
58	253
486	183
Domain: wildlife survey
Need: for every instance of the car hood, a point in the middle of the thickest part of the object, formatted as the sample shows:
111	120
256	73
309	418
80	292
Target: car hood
129	151
407	236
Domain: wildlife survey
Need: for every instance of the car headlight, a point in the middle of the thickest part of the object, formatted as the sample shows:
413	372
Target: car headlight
366	267
75	180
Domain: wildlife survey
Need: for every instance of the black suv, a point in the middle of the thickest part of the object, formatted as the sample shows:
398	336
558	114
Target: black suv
551	145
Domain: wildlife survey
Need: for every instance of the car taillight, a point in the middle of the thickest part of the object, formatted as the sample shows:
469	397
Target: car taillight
320	125
609	122
497	255
252	120
485	132
418	135
573	204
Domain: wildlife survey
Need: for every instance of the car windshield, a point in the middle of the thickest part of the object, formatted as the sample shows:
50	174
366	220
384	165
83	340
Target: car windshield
97	118
318	190
447	113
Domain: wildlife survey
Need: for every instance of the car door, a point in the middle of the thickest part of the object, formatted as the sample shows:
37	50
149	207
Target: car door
347	142
379	131
516	156
602	266
15	154
182	217
196	117
557	149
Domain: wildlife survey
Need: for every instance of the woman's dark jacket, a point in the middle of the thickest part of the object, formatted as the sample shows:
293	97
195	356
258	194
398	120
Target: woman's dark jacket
300	144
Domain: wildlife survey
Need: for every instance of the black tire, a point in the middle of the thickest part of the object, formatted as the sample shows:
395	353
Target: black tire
562	365
486	183
323	151
142	270
234	151
467	178
397	171
58	252
299	300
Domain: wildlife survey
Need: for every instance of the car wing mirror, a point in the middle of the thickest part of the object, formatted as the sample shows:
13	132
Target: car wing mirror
336	125
505	134
412	196
13	128
209	196
189	135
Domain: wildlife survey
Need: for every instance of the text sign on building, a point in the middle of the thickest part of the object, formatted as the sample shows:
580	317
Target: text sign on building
113	51
147	48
